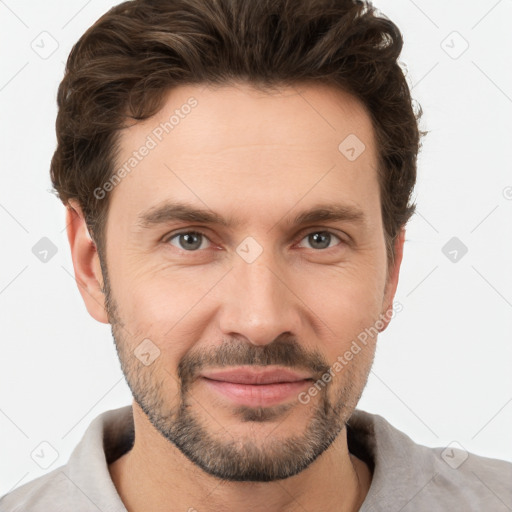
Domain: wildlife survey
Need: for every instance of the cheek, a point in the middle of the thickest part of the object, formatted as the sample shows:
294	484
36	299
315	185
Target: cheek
346	292
158	295
165	307
348	303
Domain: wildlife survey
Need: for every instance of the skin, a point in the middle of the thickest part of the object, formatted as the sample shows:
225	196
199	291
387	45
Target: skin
260	159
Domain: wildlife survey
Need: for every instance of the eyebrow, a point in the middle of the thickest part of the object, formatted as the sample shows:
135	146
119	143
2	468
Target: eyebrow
167	212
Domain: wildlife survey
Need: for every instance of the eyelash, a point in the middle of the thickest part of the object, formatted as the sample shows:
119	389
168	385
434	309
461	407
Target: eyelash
167	239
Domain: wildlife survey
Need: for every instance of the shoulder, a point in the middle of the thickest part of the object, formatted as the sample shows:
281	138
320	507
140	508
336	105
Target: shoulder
454	479
84	483
43	494
419	478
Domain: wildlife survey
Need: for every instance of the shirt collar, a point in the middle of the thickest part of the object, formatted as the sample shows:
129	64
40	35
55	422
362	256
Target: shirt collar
394	459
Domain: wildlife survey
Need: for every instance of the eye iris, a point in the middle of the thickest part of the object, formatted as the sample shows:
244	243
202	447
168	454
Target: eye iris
193	240
320	238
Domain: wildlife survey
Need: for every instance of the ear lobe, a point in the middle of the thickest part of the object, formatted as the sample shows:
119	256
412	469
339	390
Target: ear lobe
392	281
88	275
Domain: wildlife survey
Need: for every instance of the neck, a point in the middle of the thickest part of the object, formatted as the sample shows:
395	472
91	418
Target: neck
154	475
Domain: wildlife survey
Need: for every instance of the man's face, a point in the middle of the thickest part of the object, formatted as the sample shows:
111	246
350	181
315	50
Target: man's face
257	291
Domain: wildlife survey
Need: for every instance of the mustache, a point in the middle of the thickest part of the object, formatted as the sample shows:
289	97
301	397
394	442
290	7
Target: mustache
283	351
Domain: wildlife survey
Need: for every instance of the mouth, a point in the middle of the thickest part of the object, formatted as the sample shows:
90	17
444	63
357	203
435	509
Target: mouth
256	387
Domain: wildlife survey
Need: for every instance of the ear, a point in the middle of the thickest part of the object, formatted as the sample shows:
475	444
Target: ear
86	263
392	280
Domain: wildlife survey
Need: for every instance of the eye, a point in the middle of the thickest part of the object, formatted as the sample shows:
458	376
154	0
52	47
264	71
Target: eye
193	241
321	239
188	240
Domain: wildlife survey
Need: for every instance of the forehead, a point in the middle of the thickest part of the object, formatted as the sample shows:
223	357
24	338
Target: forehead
241	148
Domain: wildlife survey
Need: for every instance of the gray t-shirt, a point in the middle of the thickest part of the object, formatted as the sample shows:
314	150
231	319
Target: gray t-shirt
407	477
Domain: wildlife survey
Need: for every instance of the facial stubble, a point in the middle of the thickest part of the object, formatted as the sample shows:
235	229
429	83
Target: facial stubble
228	456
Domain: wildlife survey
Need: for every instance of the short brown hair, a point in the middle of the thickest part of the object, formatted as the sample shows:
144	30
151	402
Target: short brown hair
123	65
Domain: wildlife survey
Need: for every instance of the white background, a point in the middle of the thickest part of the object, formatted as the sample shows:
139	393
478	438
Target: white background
442	370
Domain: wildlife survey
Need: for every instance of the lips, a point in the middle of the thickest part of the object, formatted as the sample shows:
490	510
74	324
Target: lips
255	387
256	376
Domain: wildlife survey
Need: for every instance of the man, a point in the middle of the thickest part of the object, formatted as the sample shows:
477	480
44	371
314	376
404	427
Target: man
237	176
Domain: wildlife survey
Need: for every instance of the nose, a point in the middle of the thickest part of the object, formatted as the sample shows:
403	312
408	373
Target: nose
258	302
